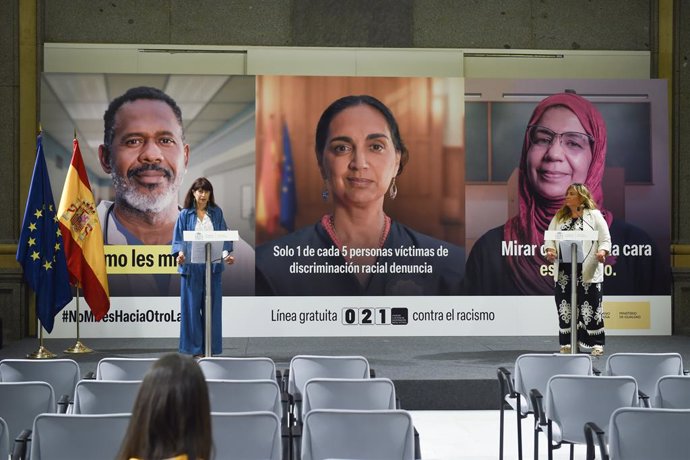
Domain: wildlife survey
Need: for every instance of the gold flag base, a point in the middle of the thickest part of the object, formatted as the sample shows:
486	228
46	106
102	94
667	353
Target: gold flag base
41	353
79	348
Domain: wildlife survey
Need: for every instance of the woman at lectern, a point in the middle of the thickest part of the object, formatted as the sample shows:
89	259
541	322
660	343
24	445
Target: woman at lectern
357	249
200	213
580	213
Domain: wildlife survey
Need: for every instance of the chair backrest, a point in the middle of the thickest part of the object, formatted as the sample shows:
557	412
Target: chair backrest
247	435
672	392
105	396
70	436
123	368
638	433
221	368
339	433
307	367
61	374
647	368
573	400
4	439
245	396
533	371
21	402
355	394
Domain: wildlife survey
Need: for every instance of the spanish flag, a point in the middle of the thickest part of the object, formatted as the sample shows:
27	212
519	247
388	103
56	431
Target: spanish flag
83	237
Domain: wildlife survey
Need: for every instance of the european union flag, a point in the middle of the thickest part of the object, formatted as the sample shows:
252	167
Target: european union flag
41	252
288	195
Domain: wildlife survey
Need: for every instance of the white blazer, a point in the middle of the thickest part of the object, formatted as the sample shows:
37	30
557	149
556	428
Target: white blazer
592	269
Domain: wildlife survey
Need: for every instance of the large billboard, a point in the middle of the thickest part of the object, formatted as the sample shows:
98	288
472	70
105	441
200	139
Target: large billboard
407	218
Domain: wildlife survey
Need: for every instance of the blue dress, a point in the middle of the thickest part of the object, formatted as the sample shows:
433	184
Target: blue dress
193	286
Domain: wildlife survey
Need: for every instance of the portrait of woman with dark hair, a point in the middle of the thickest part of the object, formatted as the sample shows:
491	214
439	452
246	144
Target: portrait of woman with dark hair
357	248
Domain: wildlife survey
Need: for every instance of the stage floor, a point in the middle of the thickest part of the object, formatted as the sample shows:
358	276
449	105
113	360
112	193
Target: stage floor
430	373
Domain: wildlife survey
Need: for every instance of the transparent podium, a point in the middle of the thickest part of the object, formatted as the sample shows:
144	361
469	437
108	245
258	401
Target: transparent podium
207	247
571	251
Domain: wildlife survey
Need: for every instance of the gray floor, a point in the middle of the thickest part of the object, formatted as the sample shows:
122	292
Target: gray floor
429	372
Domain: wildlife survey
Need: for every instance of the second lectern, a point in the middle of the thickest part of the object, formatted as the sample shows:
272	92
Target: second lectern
570	244
207	246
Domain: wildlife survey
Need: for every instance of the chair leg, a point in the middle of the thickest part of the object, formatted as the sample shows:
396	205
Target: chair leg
572	451
500	430
536	436
550	441
417	447
519	430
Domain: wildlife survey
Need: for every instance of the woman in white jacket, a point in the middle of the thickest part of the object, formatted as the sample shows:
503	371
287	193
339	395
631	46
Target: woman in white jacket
580	212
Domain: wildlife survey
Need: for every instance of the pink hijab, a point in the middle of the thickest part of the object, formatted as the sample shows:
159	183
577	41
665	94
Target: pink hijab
535	212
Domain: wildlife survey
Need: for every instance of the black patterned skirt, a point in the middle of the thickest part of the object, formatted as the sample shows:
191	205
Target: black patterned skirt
590	312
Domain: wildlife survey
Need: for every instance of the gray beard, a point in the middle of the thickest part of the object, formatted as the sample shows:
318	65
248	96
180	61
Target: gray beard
153	201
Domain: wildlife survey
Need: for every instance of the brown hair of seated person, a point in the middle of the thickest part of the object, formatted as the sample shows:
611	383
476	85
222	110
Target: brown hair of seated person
171	415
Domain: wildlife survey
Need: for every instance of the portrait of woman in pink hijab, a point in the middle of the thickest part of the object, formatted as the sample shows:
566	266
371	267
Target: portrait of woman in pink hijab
575	132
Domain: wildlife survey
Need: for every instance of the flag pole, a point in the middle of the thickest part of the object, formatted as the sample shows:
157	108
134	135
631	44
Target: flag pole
42	352
83	241
78	347
39	251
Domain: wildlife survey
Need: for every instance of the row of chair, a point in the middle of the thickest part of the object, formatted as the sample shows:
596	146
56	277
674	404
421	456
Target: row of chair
563	392
252	435
358	392
248	435
117	380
